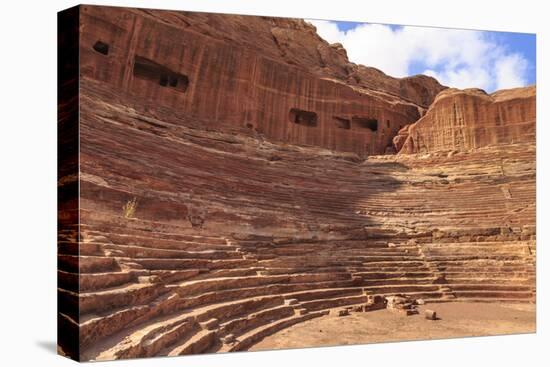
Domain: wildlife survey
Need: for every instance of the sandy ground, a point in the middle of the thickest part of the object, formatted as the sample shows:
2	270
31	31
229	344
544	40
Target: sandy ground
455	320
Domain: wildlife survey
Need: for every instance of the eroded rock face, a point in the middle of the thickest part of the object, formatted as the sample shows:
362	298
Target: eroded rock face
236	141
251	72
460	120
401	137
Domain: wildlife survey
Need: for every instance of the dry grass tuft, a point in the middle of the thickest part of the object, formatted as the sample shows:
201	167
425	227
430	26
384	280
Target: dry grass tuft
129	209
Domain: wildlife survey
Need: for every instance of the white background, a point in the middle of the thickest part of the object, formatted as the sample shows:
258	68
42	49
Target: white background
28	182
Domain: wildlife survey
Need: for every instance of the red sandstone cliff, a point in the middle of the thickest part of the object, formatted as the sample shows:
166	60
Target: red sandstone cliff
279	79
468	119
295	42
275	76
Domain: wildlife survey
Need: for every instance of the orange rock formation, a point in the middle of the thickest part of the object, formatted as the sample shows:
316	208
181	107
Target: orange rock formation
469	119
222	178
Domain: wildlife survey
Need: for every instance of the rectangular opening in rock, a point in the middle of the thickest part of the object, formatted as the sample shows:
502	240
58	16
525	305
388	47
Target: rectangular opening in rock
301	117
173	82
149	70
365	123
101	47
163	80
342	123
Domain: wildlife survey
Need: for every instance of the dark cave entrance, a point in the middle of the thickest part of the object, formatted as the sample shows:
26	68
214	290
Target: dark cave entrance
149	70
301	117
342	123
101	47
365	123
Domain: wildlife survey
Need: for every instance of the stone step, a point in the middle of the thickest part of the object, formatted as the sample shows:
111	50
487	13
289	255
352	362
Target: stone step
476	257
302	262
96	282
86	282
355	269
272	289
108	224
379	275
319	294
198	343
490	287
440	294
135	252
480	300
395	265
491	281
480	262
69	247
189	288
486	269
87	264
95	327
343	253
148	241
68	339
226	273
252	337
392	258
272	259
399	288
502	249
183	264
175	276
150	340
67	281
321	304
254	320
476	245
492	294
67	303
302	270
232	309
399	281
456	277
131	294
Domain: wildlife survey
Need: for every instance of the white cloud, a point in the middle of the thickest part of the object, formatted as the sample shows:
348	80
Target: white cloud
457	58
510	71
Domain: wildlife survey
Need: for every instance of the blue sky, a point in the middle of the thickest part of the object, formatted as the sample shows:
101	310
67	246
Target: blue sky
457	58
